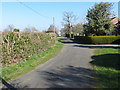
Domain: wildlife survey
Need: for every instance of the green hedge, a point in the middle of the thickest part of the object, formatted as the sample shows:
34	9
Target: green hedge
98	39
69	35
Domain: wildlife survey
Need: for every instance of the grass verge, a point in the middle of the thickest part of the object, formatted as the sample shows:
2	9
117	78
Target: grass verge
106	66
13	71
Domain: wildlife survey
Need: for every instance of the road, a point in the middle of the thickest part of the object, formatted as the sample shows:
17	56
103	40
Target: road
69	69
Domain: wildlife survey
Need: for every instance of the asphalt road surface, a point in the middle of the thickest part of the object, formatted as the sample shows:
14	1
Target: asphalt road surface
69	69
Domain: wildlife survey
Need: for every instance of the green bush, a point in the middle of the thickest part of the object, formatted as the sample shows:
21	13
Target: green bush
72	35
20	46
98	39
67	35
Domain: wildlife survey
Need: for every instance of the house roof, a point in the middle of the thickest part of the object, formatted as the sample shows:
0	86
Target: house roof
115	20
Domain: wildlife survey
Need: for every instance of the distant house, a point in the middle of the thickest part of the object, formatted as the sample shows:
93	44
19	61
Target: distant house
119	24
51	29
115	21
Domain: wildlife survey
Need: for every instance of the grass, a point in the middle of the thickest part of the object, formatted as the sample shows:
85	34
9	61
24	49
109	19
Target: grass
13	71
106	66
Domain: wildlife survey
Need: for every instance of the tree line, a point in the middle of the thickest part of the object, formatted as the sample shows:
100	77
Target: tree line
98	22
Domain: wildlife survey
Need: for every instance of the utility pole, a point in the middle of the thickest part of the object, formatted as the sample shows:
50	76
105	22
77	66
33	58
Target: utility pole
118	26
54	24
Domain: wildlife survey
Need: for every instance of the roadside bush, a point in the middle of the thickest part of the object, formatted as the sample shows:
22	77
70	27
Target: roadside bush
98	39
67	35
19	46
72	35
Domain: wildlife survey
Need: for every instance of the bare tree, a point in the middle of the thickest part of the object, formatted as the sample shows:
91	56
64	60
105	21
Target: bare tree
10	27
78	29
27	30
68	21
34	29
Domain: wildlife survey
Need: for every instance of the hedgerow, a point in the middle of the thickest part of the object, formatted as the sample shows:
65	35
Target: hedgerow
98	39
20	46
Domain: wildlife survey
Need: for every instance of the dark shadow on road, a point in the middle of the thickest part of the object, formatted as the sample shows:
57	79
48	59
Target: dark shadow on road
66	40
107	60
91	47
69	77
11	86
7	85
